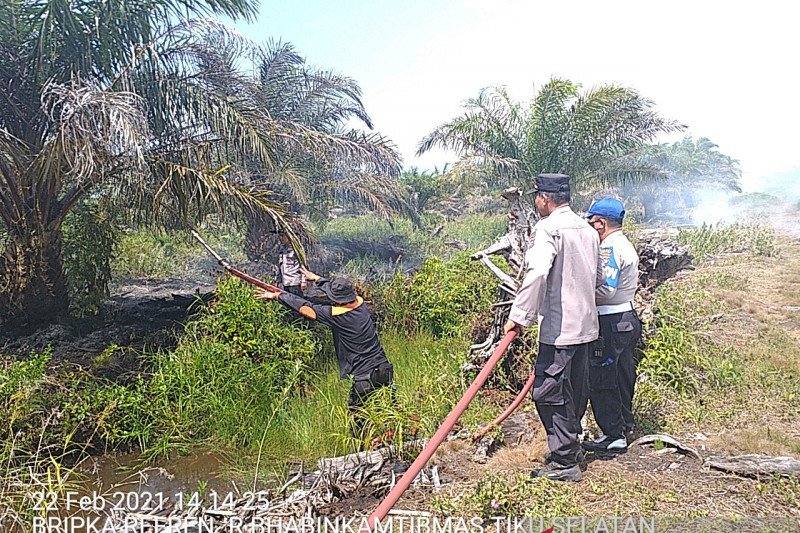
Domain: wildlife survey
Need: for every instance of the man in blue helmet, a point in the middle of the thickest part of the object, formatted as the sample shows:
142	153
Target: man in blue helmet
612	369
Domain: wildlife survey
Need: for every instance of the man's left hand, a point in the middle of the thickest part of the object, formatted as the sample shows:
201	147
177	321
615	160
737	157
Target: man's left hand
512	326
310	276
264	294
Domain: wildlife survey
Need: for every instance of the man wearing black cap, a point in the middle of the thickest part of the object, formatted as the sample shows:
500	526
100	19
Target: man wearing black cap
558	292
612	370
356	342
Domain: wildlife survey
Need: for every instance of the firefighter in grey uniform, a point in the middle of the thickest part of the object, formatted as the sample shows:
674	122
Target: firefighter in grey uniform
558	291
612	370
293	280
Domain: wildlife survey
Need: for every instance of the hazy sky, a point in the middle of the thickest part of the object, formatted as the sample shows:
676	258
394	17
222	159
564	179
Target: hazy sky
725	71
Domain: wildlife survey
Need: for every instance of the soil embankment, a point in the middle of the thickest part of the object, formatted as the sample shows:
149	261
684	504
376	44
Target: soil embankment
138	315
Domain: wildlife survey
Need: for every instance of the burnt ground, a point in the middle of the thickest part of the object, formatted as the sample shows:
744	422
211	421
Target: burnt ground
139	315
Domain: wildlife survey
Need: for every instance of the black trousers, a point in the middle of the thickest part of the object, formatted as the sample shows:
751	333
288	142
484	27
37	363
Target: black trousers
362	389
293	289
560	393
612	373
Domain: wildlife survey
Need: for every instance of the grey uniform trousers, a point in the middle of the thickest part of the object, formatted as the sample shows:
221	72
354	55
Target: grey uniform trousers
560	393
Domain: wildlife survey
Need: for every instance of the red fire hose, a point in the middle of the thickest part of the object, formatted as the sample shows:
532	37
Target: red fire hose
499	420
238	273
405	481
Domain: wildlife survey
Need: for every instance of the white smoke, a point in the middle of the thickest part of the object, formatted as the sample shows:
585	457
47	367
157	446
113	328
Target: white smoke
713	207
773	199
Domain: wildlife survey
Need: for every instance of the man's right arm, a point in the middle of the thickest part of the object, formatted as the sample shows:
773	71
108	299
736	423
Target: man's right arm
311	311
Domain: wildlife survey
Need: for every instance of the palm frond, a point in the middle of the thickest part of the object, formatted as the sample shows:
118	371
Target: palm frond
585	134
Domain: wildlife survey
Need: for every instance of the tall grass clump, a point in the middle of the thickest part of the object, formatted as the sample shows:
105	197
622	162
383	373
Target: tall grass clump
681	363
314	423
678	354
67	410
445	298
230	374
46	427
709	239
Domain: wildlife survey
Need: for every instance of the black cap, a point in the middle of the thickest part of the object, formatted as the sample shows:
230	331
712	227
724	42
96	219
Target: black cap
552	183
339	290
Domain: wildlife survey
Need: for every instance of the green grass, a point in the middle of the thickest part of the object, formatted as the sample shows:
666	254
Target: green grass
151	253
477	231
314	422
710	240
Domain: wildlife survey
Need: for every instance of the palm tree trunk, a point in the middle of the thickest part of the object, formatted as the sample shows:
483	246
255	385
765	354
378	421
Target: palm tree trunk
258	240
33	289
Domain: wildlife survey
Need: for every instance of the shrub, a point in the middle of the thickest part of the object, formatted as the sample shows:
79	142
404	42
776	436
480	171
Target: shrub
709	240
230	372
443	297
69	411
90	236
676	354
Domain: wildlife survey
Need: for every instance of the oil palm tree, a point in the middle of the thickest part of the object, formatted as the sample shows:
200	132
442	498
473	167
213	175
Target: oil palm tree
588	135
312	183
135	102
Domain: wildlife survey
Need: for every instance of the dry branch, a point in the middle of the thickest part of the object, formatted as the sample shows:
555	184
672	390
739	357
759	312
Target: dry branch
754	465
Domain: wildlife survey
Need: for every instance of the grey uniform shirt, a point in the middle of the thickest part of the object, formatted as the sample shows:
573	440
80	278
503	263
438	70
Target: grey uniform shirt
560	280
620	271
290	269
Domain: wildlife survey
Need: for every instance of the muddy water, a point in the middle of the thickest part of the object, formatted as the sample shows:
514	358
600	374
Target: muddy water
119	485
123	478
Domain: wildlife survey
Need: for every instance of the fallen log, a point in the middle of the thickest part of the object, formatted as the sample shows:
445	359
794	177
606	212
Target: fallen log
755	465
358	459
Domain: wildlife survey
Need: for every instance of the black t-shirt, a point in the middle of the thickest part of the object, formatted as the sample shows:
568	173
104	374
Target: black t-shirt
358	348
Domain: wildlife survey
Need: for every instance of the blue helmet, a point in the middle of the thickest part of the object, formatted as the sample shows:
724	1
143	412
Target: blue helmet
607	208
